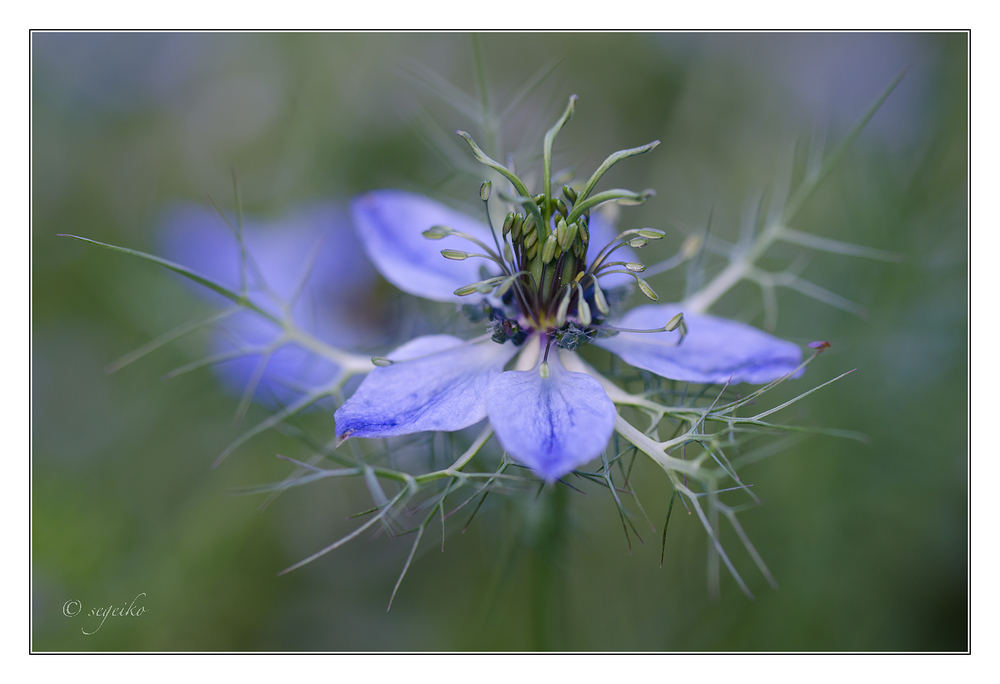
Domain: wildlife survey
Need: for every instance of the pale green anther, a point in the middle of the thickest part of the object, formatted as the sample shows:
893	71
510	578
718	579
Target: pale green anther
508	223
381	361
651	233
563	308
578	249
674	322
583	312
638	242
531	251
584	230
454	254
543	370
600	299
549	250
529	227
539	199
561	229
467	289
515	228
484	190
507	254
530	238
569	193
561	206
646	289
570	238
485	287
634	267
436	232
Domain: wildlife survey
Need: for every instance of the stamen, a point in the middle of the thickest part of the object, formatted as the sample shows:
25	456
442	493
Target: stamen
645	235
484	194
382	361
438	232
643	285
549	250
630	265
563	307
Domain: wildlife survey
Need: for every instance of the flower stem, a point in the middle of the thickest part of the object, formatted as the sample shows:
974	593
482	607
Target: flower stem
547	564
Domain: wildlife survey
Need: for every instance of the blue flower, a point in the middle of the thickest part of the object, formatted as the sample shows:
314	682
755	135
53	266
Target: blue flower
309	258
549	412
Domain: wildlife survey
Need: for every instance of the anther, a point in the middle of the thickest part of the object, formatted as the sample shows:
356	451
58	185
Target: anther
436	232
549	249
508	223
515	228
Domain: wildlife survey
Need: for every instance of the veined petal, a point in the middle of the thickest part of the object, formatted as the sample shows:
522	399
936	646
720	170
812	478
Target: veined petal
437	383
391	223
290	369
278	252
715	350
554	424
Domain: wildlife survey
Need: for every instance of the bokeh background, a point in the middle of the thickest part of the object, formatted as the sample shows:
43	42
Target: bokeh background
868	543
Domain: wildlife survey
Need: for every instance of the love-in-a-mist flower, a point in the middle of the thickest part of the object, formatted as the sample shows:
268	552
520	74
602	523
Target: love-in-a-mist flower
306	265
546	289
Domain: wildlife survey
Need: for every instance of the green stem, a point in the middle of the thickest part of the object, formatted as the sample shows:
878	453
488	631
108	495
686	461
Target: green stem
547	566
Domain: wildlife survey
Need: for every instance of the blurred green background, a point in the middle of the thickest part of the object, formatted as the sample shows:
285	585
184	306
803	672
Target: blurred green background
868	543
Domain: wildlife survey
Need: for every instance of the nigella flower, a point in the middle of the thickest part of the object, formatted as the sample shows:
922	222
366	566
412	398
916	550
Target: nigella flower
307	265
544	292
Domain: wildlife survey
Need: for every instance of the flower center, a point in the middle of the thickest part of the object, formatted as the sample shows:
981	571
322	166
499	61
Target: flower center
545	283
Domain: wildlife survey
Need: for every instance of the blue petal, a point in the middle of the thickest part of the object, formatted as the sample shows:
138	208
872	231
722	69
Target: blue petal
290	370
552	425
441	387
715	350
391	223
331	304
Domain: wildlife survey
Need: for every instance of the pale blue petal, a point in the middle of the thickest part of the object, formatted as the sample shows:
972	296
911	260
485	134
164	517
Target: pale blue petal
715	350
332	303
290	369
552	425
441	387
391	223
